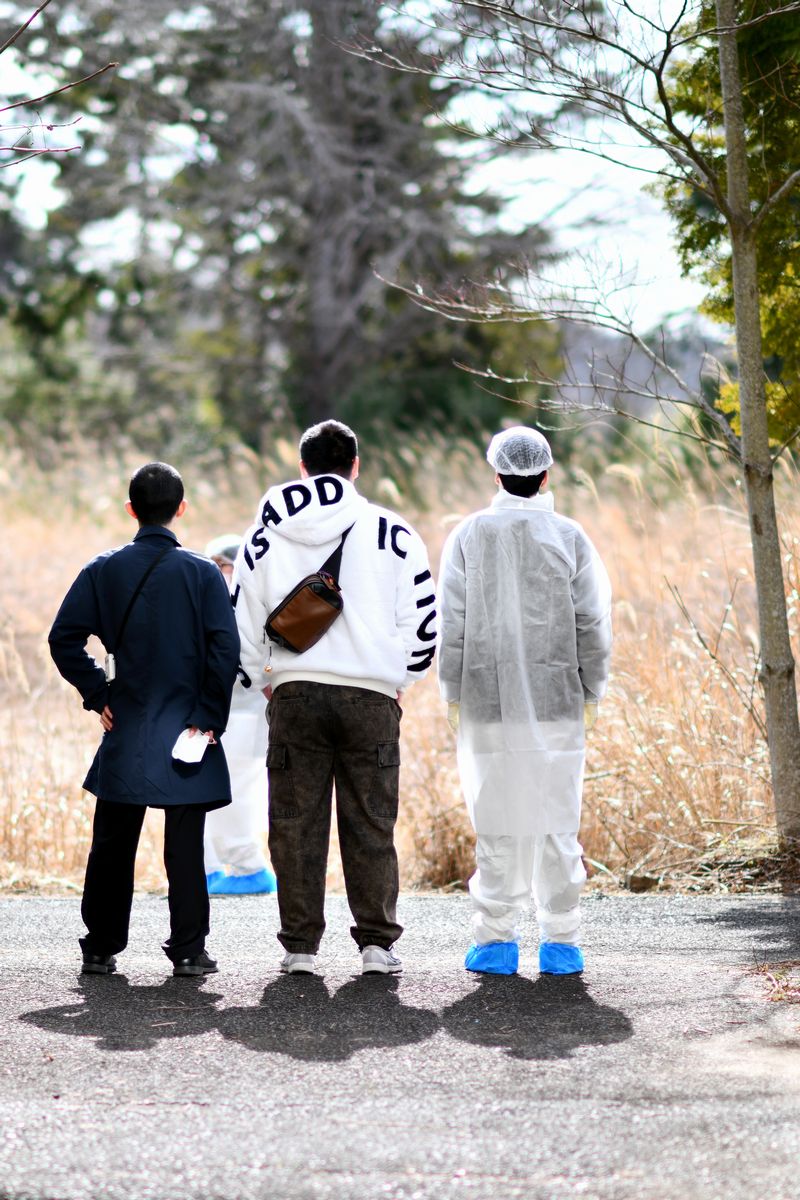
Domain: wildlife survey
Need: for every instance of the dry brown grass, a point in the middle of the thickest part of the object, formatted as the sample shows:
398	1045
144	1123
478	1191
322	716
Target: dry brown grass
677	769
780	981
677	789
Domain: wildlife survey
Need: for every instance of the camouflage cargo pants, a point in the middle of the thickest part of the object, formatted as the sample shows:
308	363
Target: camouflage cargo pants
321	736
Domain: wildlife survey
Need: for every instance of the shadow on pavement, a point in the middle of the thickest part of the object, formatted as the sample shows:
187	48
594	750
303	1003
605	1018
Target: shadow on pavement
120	1017
545	1018
299	1017
772	931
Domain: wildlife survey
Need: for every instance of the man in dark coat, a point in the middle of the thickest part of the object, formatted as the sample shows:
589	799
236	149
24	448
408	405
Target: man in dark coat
165	615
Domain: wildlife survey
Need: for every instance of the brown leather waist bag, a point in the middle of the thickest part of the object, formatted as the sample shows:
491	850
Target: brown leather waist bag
308	612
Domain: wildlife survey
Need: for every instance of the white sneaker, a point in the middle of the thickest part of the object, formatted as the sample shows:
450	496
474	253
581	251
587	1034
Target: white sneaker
377	961
298	964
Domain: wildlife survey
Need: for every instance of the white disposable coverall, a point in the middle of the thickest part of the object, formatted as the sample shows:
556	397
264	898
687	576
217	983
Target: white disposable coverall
526	641
231	837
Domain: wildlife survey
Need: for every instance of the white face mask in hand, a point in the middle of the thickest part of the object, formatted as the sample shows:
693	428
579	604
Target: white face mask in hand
191	746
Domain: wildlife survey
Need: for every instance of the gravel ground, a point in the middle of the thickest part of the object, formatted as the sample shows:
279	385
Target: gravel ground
662	1072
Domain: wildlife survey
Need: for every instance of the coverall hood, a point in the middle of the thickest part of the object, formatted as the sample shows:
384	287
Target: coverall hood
543	501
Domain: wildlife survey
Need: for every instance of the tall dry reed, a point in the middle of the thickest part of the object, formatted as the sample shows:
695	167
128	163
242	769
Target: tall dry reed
677	767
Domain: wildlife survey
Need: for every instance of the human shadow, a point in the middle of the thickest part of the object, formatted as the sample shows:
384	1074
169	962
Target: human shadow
546	1018
300	1018
120	1017
774	928
297	1016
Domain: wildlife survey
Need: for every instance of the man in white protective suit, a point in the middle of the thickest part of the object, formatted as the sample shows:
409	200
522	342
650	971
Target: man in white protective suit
525	647
235	862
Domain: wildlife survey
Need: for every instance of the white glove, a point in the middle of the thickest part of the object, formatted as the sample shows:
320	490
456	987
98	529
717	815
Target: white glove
590	714
453	710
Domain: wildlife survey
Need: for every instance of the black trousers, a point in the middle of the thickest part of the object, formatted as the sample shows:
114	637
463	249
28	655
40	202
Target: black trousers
321	735
108	888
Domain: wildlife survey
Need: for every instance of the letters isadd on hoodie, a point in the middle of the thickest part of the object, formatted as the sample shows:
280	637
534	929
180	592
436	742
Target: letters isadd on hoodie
385	637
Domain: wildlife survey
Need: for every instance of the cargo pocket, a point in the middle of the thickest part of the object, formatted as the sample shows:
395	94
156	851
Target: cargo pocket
386	786
281	784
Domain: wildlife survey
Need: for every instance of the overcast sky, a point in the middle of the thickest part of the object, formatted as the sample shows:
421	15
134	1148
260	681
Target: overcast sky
603	217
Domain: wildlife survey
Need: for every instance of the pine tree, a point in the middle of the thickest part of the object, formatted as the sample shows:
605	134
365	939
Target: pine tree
302	179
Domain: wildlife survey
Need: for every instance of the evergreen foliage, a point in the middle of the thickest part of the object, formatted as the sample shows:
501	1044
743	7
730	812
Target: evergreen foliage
769	55
261	184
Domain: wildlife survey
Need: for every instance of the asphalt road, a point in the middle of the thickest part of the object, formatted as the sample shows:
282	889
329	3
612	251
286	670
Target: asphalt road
663	1072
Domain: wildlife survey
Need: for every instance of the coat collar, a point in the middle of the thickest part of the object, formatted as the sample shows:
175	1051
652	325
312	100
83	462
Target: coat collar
156	531
543	501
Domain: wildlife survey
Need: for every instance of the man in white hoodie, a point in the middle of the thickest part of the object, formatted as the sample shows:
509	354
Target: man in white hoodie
334	711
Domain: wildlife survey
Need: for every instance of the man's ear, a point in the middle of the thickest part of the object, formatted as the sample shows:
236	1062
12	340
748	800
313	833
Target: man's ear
545	481
180	510
303	470
130	510
354	472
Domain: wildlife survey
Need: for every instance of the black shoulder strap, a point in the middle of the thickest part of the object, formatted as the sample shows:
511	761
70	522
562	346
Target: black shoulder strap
135	595
332	565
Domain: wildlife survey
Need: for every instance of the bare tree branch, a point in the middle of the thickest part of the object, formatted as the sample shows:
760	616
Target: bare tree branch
785	445
35	152
15	36
746	699
66	88
772	202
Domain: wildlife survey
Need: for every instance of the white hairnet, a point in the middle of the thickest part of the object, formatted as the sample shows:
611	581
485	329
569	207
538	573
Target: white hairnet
519	451
224	547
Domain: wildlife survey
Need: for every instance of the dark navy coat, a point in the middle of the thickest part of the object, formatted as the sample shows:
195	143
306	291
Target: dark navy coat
175	666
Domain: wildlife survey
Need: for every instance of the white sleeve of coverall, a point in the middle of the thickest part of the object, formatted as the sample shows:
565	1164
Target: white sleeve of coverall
452	609
591	595
251	617
416	612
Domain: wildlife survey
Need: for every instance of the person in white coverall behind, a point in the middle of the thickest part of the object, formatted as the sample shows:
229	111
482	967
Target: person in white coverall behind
235	863
523	663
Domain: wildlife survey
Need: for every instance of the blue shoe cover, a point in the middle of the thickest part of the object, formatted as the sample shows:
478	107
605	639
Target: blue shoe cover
556	958
213	880
494	958
258	883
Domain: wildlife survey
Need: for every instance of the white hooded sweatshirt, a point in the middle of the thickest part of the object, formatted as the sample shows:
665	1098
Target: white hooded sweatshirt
385	637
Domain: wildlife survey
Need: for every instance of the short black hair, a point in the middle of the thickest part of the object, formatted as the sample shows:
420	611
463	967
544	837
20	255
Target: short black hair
522	485
329	448
155	493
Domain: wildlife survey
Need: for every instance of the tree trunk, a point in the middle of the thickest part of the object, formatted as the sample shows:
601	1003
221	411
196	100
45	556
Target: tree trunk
777	663
341	217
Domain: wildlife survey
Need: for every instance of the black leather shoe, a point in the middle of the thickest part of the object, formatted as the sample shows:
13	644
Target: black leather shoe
98	964
198	964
